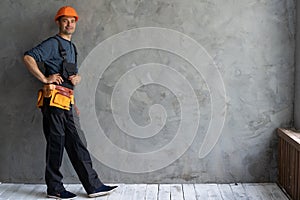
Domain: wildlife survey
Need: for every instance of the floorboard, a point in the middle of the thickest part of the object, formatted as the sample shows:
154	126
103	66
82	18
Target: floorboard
140	192
164	192
239	191
117	194
226	192
176	192
151	192
207	191
234	191
189	191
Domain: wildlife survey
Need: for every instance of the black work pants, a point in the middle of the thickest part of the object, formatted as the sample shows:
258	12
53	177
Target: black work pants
61	132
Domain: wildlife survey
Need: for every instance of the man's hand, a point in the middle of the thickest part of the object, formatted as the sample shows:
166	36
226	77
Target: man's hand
54	78
75	79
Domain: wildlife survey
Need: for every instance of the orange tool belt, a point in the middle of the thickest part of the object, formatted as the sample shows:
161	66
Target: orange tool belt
60	97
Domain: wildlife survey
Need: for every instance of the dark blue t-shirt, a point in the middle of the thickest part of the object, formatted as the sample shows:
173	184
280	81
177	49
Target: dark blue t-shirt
48	53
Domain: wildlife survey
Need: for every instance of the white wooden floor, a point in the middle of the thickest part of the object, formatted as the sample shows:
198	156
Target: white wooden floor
249	191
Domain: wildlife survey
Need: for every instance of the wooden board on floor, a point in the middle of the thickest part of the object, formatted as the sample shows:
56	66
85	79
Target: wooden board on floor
226	192
151	192
176	192
249	191
140	192
189	191
164	192
207	191
239	191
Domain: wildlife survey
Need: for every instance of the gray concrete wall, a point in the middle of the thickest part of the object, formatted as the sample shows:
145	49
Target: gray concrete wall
297	72
221	71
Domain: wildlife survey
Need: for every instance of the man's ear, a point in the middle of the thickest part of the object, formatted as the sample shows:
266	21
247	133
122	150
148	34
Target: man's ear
57	22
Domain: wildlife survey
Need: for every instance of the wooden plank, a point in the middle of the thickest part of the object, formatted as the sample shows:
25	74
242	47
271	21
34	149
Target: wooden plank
10	191
289	170
151	192
291	137
129	190
24	192
266	191
74	188
255	191
280	161
79	191
117	194
140	192
298	177
261	189
176	192
4	187
38	192
17	193
189	192
275	191
293	182
286	166
164	192
252	193
226	192
238	191
207	191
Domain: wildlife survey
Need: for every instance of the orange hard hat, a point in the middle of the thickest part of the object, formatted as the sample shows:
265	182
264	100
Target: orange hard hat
66	11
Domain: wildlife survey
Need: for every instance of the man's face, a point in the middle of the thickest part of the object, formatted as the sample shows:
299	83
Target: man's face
66	25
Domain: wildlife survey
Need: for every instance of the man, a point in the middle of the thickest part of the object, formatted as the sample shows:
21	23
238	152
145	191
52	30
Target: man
56	101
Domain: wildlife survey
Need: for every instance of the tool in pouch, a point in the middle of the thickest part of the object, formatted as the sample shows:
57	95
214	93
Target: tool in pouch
61	96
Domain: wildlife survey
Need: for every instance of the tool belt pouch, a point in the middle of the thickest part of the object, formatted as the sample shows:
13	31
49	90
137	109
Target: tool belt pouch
40	100
58	98
46	92
61	99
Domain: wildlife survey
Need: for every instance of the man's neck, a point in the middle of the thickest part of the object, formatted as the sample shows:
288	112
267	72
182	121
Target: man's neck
66	37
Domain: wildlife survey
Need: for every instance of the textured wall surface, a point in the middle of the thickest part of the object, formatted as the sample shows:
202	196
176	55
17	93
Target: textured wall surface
241	75
297	73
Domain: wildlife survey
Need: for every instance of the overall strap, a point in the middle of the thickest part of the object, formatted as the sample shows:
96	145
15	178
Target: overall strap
63	52
75	49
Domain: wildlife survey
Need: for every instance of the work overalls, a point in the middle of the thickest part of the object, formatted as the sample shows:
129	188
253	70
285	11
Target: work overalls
61	130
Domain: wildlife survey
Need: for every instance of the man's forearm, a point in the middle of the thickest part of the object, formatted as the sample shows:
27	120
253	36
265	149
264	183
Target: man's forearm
32	66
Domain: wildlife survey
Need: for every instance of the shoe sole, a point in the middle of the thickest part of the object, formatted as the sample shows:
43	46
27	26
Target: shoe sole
98	194
55	197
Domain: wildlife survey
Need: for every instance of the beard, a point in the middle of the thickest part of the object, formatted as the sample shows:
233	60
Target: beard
66	31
